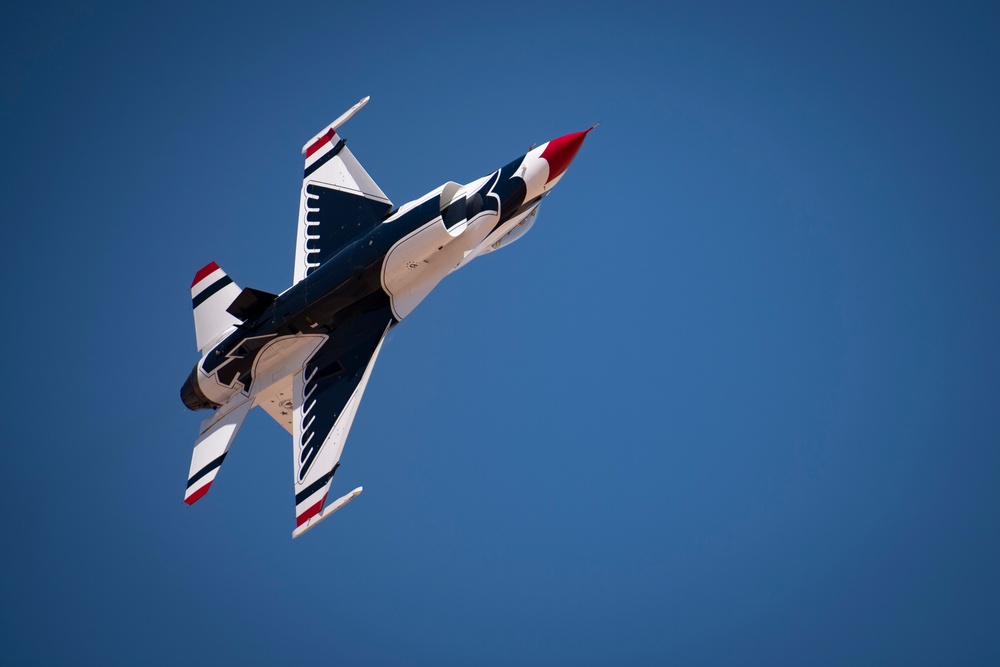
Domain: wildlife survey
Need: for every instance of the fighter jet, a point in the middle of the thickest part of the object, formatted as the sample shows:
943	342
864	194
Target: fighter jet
361	266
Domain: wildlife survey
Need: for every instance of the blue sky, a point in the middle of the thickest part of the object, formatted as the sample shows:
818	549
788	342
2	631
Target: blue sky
732	400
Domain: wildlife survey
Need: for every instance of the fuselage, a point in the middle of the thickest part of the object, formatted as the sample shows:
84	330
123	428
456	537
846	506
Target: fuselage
386	270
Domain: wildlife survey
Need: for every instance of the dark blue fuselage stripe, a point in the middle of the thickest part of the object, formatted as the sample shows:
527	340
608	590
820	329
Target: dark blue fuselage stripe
315	486
323	160
207	469
210	290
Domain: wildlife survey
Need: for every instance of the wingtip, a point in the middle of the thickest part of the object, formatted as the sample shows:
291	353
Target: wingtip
327	132
314	520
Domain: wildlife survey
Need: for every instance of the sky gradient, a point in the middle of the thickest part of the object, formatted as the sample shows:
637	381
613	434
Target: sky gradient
729	402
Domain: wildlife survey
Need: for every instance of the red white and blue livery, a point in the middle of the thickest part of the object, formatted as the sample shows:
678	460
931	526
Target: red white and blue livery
361	266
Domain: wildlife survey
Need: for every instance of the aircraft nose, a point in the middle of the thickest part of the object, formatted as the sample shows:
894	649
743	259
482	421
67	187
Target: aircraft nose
560	152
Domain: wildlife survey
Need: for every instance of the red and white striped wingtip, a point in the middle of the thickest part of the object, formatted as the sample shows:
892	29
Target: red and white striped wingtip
327	133
310	512
315	519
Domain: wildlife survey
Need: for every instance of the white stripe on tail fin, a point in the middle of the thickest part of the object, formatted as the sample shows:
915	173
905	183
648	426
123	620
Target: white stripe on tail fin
211	293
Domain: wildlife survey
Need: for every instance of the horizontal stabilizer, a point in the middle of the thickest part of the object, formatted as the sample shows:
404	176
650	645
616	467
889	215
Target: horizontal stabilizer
314	521
217	434
250	303
211	293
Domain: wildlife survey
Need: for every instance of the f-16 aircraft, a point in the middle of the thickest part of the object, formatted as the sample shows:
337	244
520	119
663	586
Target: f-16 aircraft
361	266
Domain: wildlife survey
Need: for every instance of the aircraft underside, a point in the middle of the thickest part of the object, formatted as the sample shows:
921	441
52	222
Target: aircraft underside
305	356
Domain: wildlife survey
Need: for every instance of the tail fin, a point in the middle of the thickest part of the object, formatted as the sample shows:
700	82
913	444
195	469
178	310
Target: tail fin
211	293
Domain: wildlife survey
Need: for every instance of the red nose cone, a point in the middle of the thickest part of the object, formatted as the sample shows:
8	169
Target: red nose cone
560	152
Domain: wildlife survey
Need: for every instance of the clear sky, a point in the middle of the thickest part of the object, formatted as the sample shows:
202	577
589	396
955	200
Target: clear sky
733	400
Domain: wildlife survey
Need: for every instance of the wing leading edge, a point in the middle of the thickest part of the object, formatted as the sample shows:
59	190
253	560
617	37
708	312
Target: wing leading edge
326	395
